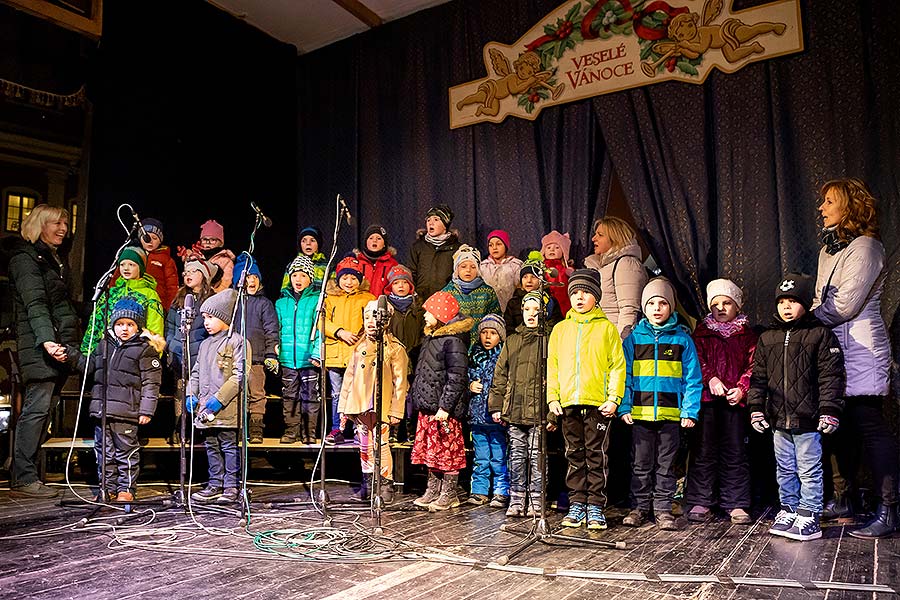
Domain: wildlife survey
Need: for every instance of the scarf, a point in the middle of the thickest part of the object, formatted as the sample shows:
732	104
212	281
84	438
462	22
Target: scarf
401	303
373	256
467	287
833	243
728	329
437	240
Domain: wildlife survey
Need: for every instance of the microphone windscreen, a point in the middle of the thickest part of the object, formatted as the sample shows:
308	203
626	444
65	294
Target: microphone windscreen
553	272
189	302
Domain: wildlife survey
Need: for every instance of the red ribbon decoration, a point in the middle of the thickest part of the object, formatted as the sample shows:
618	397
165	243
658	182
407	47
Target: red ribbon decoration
648	33
586	31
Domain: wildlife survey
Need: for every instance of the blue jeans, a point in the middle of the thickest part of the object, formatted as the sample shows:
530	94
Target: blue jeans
335	380
223	456
798	457
490	457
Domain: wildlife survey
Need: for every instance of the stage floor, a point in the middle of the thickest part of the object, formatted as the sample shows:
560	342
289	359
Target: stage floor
169	555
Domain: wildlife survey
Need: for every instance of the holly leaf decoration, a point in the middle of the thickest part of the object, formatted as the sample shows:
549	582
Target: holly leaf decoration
686	67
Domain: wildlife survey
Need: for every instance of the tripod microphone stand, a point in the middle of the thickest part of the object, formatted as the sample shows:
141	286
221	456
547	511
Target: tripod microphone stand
540	530
382	316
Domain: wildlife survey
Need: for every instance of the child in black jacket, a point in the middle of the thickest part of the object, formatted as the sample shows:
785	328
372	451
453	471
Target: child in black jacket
132	388
796	388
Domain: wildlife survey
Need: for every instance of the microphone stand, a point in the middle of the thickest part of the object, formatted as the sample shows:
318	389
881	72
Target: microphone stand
187	320
540	530
377	501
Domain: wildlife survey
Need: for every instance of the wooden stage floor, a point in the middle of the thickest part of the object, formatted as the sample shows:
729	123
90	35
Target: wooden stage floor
427	556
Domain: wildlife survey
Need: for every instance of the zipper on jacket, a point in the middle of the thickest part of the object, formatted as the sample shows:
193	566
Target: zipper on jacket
784	382
294	334
655	375
578	364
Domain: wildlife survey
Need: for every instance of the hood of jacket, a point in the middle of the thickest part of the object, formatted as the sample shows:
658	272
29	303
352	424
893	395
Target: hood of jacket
457	327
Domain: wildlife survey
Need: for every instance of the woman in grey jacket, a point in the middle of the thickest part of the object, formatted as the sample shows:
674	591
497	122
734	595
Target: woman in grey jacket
617	256
849	284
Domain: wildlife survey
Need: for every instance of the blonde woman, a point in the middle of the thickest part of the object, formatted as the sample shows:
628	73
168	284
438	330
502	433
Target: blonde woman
617	256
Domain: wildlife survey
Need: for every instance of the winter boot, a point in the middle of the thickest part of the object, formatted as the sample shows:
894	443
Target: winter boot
256	429
290	434
884	524
838	508
449	497
364	492
431	492
387	491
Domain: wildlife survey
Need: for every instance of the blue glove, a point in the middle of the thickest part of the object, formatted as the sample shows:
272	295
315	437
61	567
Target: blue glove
213	404
190	403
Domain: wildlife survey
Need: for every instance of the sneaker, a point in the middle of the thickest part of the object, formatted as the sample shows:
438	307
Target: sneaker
499	501
35	489
229	496
666	521
478	499
335	437
595	517
206	495
635	518
124	497
739	516
805	527
784	520
576	515
699	514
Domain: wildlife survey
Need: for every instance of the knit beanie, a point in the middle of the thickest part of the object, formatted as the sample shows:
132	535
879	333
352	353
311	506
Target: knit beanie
313	231
798	286
349	265
724	287
135	254
128	308
443	306
533	264
220	305
535	296
400	272
658	286
153	226
466	252
558	238
375	229
240	265
493	321
303	264
199	265
442	212
587	280
212	229
500	235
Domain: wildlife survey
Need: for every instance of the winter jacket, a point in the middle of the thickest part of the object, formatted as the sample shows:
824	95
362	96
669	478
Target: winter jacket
376	271
516	387
262	326
432	267
798	374
406	326
143	290
513	313
297	318
503	277
42	309
161	267
481	368
622	279
559	292
585	363
848	300
358	387
135	372
477	303
441	377
175	341
219	372
730	359
343	311
319	263
224	259
664	381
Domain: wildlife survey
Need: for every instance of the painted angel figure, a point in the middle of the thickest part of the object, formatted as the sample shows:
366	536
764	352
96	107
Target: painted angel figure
524	74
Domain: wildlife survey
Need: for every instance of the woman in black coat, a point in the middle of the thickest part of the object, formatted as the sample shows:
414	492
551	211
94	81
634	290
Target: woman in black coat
46	322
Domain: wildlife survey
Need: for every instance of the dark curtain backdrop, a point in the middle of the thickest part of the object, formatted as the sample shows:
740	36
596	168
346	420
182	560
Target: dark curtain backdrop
194	118
721	178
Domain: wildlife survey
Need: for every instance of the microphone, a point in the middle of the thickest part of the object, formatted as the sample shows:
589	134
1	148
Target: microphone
265	220
551	272
187	313
145	237
205	416
345	209
382	313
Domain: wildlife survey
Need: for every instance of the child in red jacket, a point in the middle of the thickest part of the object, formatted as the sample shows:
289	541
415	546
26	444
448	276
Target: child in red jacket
160	264
719	470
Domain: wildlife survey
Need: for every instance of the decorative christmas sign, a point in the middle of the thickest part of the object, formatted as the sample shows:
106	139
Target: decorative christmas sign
590	47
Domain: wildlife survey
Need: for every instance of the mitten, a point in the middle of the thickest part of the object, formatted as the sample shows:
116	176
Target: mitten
829	423
190	403
271	364
213	404
758	421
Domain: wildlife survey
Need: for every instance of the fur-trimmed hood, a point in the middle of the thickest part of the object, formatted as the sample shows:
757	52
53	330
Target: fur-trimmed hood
333	289
458	327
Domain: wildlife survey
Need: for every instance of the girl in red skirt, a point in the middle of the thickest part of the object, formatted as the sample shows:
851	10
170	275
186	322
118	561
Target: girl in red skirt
439	395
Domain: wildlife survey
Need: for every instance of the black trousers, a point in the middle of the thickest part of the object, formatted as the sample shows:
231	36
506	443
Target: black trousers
586	435
300	396
653	479
123	457
719	469
862	420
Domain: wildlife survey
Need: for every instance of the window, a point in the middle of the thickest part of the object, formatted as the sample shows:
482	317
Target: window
73	218
18	206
